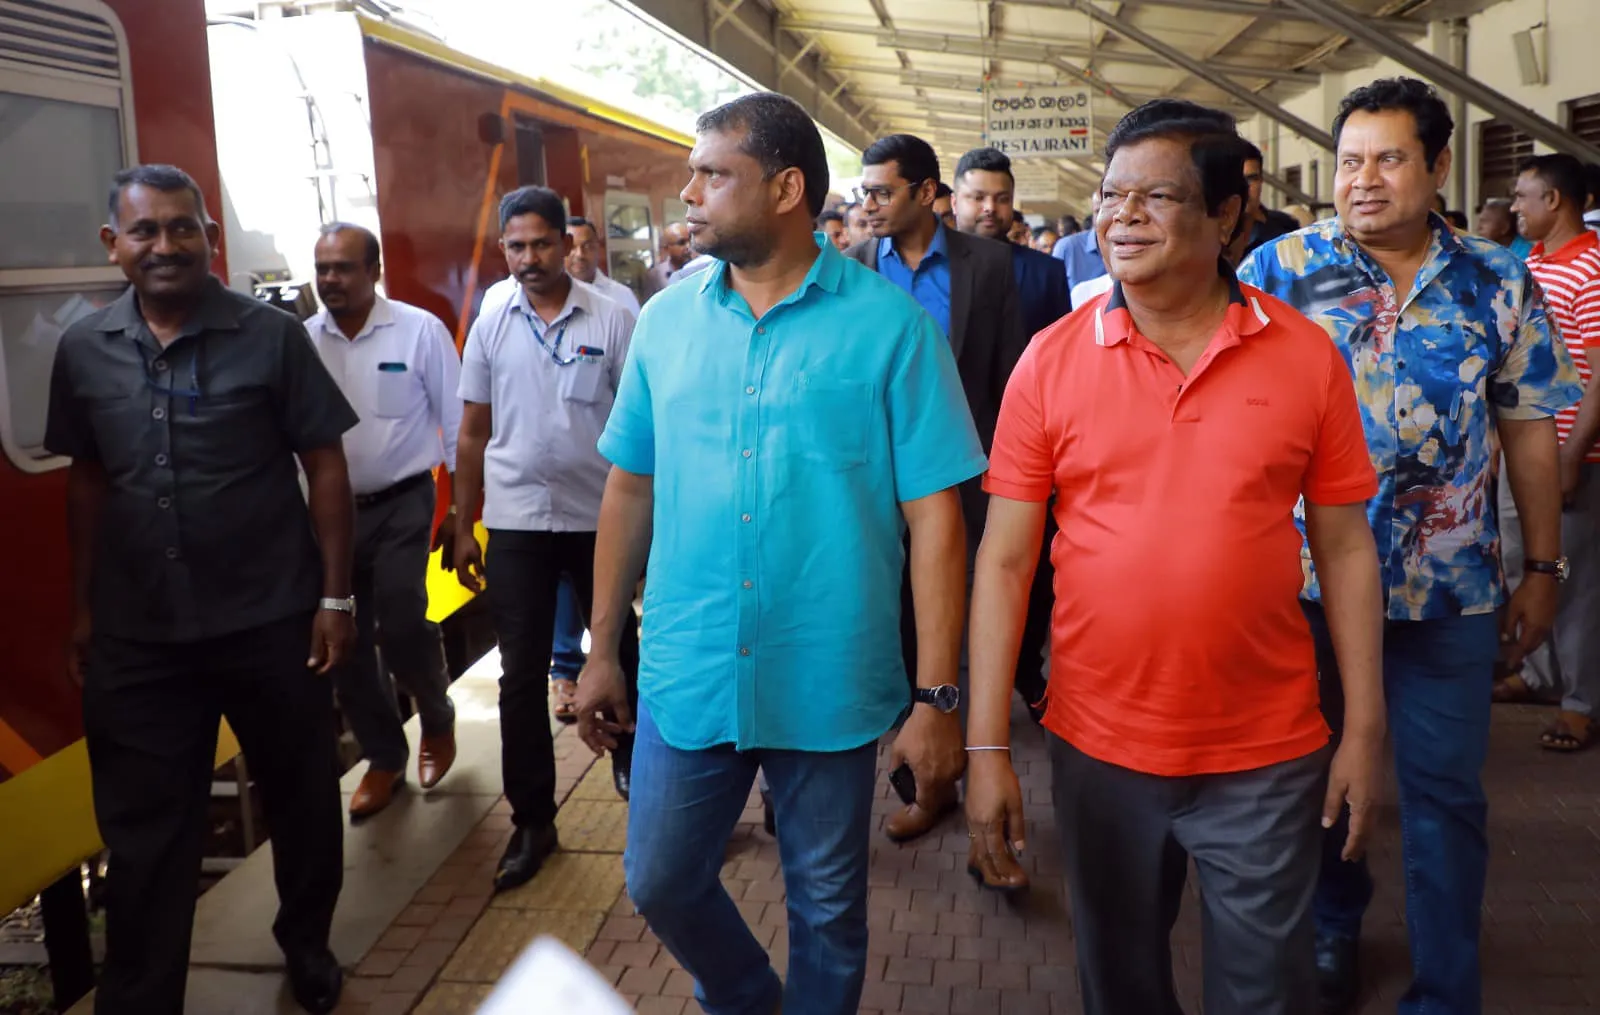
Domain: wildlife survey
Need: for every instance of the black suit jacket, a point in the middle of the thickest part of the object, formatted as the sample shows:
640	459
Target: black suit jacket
986	335
1042	287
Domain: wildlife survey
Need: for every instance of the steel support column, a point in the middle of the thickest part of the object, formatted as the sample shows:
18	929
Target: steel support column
1342	19
1178	58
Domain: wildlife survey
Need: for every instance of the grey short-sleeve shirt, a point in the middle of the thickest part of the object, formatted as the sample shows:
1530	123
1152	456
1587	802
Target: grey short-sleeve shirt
204	531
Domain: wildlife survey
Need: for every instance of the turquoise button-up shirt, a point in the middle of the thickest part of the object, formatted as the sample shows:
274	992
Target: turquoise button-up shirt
781	451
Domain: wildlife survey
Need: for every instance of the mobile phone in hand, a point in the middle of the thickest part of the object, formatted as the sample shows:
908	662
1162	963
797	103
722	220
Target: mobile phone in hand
904	783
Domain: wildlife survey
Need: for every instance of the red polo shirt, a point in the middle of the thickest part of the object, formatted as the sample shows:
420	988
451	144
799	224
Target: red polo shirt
1177	643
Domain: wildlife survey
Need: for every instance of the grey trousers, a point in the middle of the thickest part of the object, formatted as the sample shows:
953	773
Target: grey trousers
393	633
1256	841
1569	662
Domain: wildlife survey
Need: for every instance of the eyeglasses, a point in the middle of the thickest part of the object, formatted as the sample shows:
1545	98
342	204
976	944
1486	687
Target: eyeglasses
880	195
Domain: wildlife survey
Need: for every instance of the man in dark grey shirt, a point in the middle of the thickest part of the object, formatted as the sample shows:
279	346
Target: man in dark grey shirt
197	571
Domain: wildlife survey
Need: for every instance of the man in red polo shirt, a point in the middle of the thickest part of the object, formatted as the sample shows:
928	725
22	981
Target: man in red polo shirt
1177	420
1566	262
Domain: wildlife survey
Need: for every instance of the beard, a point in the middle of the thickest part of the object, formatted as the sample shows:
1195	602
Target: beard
740	247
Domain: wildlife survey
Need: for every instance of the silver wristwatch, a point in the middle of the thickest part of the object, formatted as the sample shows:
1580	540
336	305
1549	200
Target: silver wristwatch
345	605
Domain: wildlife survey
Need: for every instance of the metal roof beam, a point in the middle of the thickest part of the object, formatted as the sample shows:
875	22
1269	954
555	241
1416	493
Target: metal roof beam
1240	8
1046	51
1208	72
746	37
1342	19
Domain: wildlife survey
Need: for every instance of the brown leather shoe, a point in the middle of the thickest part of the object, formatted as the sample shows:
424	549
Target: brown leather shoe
376	791
912	821
434	757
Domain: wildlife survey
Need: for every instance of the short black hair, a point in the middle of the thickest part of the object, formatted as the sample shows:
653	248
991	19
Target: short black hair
1408	95
985	160
157	176
913	155
829	216
779	134
1252	152
942	190
1563	174
579	220
370	239
540	201
1214	145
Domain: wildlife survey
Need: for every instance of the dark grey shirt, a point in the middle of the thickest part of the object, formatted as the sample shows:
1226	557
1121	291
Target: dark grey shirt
204	531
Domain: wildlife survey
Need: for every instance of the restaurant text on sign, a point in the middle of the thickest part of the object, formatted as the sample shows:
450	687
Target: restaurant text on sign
1036	121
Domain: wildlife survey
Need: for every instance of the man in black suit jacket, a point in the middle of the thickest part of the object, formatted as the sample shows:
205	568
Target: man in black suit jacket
967	284
983	205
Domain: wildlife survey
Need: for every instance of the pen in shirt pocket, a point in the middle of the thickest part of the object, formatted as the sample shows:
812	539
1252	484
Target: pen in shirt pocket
589	350
392	368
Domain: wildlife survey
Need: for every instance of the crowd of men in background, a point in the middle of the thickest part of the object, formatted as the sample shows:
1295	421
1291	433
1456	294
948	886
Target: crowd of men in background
1185	521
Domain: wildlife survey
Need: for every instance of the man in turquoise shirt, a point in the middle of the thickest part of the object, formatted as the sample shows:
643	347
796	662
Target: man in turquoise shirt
775	459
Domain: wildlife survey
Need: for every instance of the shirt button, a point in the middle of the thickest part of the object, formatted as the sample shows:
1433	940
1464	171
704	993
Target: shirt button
745	452
749	585
163	502
744	518
172	553
158	413
1402	414
744	651
161	365
761	331
750	390
161	459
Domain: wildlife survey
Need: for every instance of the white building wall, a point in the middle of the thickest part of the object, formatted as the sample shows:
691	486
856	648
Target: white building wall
1569	48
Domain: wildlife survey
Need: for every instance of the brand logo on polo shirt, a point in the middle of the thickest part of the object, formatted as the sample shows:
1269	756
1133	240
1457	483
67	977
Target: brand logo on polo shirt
1262	402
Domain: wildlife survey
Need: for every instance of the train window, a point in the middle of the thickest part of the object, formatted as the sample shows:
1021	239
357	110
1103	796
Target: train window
66	127
629	237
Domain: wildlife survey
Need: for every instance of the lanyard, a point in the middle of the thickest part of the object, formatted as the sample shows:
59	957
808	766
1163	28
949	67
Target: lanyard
553	350
192	393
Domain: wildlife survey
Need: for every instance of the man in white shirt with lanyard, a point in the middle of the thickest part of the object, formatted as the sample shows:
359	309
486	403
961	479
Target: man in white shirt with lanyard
538	376
398	367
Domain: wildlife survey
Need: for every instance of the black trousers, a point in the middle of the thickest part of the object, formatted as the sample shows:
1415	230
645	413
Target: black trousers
524	570
151	713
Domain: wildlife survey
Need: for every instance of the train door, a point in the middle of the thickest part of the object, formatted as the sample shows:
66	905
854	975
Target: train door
630	237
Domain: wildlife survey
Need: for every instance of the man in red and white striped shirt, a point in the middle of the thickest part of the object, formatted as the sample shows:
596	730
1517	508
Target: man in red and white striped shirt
1550	198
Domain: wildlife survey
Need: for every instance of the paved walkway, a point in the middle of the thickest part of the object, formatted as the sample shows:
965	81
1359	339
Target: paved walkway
939	945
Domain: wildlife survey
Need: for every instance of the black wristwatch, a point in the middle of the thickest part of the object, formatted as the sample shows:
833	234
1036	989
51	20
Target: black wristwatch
946	697
1557	567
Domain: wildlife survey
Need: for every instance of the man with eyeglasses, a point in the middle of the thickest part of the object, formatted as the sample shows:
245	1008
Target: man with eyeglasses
966	284
538	376
197	570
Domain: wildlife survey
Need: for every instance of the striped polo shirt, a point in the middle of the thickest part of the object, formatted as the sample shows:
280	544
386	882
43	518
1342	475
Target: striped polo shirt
1570	278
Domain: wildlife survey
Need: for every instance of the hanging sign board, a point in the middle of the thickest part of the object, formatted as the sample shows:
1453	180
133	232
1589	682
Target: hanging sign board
1037	182
1040	121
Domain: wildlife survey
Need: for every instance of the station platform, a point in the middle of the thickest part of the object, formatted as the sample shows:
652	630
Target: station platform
420	931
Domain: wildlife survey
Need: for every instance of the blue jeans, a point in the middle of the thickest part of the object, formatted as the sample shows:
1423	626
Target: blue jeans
1437	675
684	806
566	657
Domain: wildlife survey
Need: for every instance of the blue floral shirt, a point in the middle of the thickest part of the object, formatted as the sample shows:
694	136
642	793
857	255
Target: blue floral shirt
1469	344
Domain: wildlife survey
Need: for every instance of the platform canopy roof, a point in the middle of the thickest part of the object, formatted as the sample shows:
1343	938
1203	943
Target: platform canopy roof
866	68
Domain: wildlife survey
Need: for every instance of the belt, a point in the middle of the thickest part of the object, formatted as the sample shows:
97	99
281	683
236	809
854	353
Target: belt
388	493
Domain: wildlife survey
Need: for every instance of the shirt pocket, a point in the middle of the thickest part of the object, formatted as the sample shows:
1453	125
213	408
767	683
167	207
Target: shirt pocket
397	391
832	421
584	382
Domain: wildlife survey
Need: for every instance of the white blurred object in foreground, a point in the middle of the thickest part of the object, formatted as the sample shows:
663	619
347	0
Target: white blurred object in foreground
551	979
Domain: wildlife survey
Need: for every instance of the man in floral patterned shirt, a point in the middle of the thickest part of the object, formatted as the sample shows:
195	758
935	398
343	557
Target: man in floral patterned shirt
1449	343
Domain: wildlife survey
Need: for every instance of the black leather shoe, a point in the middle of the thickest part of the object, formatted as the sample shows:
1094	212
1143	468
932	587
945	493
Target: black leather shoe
315	979
523	858
1338	975
622	766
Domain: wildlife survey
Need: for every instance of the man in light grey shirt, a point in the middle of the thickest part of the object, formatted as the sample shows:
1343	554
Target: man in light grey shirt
538	377
398	367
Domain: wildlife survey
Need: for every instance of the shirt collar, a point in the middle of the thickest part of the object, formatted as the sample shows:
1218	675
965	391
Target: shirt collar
826	272
1585	240
381	315
1445	244
937	246
577	299
213	312
1113	323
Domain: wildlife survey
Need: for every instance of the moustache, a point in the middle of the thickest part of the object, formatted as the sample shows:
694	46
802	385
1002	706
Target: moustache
167	261
529	273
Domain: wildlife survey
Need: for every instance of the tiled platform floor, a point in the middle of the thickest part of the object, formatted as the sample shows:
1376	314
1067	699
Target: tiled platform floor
939	945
